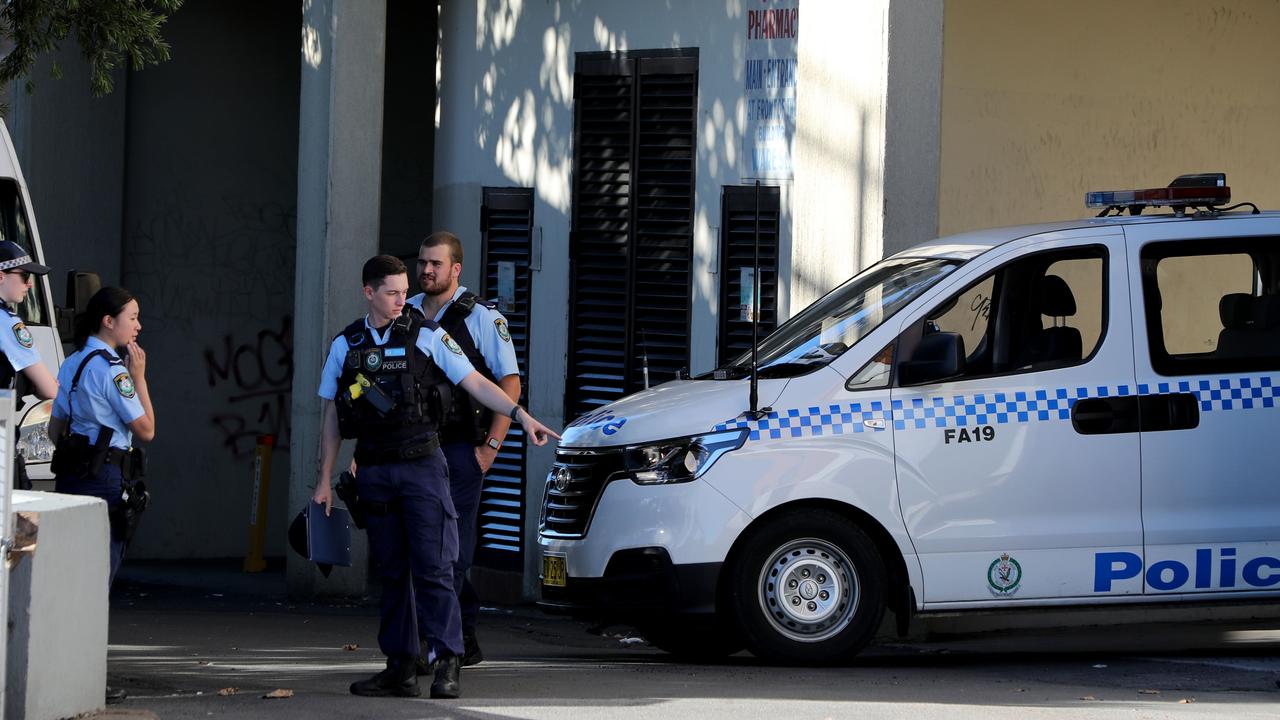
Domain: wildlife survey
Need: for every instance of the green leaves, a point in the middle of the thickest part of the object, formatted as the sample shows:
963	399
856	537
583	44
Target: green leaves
109	33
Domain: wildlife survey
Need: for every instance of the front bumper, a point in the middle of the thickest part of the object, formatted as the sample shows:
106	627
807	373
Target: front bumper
638	582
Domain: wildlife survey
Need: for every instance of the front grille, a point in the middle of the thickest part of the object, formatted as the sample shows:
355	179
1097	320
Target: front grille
568	505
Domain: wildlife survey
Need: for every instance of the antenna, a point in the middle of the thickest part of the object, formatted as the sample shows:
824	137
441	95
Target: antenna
644	358
754	413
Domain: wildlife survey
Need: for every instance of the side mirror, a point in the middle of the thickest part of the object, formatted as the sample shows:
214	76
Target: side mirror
939	356
80	287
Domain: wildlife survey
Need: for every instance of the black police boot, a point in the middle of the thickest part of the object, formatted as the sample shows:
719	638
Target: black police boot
446	683
398	679
471	653
115	695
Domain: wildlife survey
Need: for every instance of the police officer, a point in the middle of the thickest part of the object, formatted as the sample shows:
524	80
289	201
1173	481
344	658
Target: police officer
471	435
16	343
386	382
104	403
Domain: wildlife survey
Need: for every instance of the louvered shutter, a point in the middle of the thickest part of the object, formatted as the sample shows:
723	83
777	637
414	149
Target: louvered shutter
506	231
737	241
631	246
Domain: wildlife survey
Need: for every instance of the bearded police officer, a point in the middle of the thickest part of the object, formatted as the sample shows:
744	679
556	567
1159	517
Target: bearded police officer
386	382
471	435
16	343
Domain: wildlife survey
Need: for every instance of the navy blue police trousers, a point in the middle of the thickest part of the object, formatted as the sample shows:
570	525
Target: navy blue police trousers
106	485
414	545
465	479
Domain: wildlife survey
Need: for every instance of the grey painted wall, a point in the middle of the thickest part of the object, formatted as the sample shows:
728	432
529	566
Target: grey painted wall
209	224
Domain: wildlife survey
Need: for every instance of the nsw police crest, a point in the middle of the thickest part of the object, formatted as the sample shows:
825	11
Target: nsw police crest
451	344
1004	574
503	332
23	335
124	384
373	360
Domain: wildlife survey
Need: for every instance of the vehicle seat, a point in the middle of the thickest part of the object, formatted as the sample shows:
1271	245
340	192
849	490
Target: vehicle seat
1236	313
1059	344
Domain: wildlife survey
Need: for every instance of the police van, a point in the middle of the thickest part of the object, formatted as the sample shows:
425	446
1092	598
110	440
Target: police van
48	325
1074	413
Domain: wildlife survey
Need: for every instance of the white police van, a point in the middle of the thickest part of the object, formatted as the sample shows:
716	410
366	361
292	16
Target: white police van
1073	413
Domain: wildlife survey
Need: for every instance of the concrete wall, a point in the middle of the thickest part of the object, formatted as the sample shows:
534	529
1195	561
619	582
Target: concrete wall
209	222
71	147
1044	101
56	662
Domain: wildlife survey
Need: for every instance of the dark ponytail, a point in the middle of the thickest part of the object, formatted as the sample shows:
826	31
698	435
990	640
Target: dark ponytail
107	301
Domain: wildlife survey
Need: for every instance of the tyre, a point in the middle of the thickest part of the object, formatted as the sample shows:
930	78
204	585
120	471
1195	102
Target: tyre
807	589
693	639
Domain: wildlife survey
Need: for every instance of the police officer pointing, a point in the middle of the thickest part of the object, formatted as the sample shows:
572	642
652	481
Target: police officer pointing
386	383
16	343
471	435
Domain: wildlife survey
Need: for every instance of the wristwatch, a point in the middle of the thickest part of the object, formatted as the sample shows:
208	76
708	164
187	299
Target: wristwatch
493	442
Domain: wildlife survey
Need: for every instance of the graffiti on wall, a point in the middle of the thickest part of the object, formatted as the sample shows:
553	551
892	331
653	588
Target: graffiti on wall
255	376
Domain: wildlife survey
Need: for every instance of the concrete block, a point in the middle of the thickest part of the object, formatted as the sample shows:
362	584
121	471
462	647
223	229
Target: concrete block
56	662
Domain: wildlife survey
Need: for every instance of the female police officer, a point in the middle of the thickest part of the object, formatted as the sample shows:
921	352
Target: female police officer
105	401
384	375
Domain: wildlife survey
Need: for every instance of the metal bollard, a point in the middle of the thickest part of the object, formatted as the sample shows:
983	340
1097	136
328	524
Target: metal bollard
254	561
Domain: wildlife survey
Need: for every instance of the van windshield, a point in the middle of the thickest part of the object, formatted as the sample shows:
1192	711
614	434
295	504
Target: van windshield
842	317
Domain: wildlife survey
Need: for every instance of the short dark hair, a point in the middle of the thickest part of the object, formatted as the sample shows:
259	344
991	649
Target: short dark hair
378	268
444	237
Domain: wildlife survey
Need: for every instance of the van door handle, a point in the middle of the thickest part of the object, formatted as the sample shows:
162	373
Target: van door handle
1170	411
874	423
1105	416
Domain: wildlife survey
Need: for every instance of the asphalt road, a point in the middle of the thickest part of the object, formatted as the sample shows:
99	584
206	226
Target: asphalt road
175	650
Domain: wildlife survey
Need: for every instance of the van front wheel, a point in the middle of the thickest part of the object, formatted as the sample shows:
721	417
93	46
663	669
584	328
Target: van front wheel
808	589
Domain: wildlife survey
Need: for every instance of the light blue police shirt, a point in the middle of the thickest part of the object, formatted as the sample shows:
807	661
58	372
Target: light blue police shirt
489	331
436	344
16	342
105	396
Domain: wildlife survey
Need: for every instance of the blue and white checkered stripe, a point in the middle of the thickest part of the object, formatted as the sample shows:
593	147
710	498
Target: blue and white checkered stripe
814	421
1224	393
997	408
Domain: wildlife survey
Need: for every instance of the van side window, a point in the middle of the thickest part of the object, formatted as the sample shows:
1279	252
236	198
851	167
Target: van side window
1043	311
1212	306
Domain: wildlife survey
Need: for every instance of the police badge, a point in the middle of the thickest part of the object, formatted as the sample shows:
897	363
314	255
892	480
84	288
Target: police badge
124	384
23	335
503	332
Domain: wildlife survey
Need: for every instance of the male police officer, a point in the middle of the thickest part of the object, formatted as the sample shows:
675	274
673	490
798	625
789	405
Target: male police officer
471	435
16	343
383	383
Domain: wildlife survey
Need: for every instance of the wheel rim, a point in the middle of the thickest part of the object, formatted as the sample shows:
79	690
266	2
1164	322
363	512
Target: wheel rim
809	590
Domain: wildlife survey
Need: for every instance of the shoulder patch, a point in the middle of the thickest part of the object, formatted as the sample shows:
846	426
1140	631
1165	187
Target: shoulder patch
503	332
451	344
23	335
124	384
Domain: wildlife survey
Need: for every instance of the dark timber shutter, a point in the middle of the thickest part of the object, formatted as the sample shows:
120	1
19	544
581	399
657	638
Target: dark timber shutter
506	231
737	239
631	246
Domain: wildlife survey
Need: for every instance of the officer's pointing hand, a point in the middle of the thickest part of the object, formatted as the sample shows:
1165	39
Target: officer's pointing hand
536	431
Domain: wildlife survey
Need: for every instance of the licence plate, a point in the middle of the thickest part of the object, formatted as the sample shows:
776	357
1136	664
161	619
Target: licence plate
553	570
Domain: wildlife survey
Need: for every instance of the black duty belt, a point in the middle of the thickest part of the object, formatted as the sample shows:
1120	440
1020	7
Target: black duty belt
402	453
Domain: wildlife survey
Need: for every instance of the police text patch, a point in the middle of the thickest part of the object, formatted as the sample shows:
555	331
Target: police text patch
23	335
124	384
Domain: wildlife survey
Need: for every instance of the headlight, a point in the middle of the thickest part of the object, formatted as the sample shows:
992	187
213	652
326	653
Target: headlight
34	443
680	460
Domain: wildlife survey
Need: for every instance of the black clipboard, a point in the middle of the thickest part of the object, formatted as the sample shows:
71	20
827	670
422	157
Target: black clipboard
329	537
